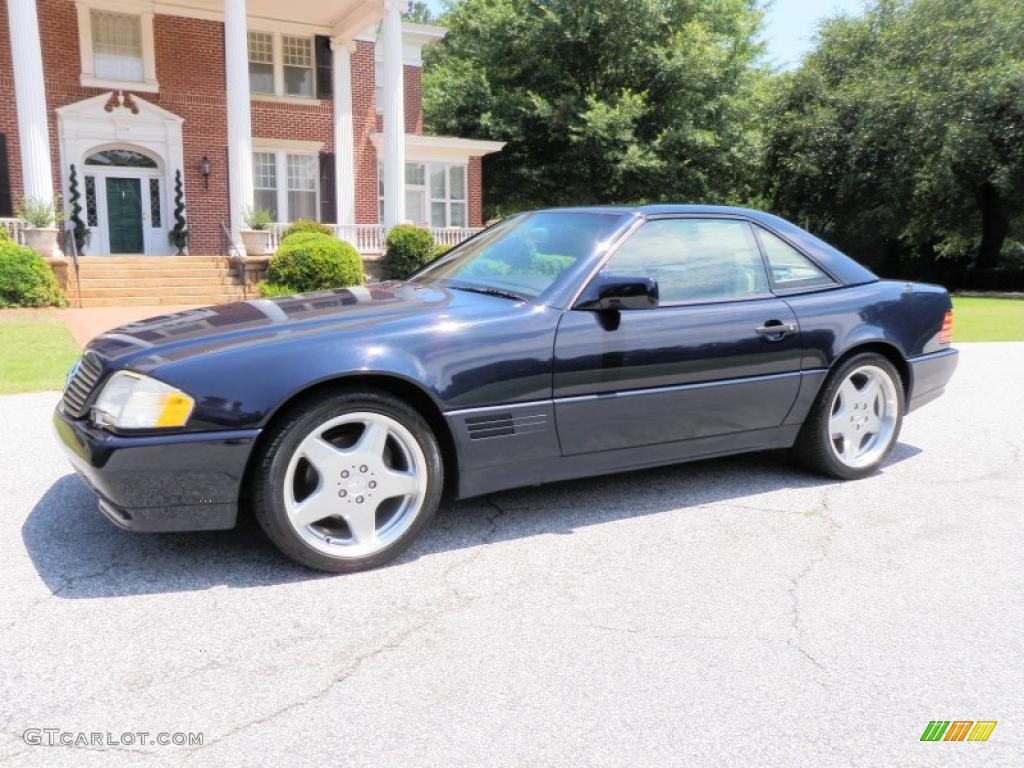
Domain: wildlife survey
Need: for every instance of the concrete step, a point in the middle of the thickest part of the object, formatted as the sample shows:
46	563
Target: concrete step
213	281
151	301
157	291
159	273
152	261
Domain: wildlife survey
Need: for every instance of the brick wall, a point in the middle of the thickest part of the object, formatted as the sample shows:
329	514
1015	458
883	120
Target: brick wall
475	191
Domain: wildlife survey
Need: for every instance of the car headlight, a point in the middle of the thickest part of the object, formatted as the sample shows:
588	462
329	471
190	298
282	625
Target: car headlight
130	400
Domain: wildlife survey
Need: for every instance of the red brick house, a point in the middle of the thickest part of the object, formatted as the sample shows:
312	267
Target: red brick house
310	109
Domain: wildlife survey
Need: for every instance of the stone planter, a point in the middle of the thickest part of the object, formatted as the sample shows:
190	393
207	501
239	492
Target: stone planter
256	241
43	240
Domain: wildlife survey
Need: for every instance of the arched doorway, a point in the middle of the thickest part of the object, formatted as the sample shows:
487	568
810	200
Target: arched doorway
125	201
126	152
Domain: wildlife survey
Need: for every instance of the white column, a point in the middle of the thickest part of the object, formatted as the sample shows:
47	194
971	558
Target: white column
236	66
344	142
30	93
394	115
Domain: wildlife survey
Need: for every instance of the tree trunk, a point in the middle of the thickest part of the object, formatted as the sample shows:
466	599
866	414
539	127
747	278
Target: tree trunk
994	226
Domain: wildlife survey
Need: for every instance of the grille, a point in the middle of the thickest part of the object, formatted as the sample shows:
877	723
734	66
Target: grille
81	385
505	424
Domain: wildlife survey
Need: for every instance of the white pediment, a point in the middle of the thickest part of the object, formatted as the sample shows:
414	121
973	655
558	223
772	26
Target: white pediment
117	118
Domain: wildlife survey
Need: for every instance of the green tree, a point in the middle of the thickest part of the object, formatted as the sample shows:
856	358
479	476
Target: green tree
419	12
604	101
901	134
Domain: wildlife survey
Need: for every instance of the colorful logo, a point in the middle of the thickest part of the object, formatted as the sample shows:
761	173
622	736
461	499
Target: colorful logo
958	730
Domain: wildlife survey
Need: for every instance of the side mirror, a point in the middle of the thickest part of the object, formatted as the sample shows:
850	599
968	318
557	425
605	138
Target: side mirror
614	293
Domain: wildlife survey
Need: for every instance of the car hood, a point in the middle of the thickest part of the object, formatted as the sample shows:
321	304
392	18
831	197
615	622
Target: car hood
206	330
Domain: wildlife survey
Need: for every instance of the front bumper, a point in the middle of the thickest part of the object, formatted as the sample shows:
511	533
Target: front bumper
929	375
183	482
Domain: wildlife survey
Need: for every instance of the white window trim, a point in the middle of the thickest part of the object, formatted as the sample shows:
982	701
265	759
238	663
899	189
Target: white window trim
281	149
88	78
279	94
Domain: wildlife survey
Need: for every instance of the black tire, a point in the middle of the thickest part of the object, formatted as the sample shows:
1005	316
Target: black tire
283	438
814	448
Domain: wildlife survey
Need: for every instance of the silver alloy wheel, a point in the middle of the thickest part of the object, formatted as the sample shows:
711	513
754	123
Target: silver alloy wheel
863	416
355	484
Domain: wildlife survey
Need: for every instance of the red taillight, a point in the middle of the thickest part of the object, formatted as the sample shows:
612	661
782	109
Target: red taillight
946	334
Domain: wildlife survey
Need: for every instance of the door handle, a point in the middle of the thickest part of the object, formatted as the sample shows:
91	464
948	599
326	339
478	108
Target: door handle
774	330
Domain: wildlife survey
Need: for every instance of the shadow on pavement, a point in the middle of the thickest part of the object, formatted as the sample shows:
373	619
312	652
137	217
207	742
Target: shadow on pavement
79	554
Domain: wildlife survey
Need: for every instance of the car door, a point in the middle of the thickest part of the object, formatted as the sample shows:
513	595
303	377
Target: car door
719	355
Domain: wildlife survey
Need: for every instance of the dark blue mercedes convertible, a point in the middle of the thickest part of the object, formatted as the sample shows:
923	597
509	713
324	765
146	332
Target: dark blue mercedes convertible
555	344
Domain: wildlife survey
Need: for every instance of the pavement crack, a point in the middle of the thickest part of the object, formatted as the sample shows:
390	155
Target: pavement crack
796	581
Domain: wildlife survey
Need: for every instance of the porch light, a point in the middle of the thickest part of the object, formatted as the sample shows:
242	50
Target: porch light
204	168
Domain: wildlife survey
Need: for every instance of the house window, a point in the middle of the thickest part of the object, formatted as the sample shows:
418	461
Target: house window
297	55
282	65
298	196
447	194
264	173
261	62
117	46
91	216
302	178
154	203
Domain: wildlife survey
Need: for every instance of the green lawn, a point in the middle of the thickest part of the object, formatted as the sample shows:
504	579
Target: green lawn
35	354
988	319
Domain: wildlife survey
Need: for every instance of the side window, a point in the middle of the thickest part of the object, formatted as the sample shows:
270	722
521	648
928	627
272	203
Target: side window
790	268
694	259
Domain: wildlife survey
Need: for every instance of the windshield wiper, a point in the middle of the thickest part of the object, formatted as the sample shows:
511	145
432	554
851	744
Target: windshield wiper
490	292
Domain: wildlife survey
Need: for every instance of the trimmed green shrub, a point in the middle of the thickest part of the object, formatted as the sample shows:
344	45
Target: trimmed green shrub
313	262
306	225
25	279
5	235
440	250
270	290
408	249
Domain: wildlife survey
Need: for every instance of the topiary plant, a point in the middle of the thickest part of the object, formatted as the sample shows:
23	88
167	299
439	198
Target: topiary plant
306	225
81	232
408	249
178	236
25	279
311	262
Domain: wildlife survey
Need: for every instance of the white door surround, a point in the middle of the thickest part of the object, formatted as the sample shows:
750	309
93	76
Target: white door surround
95	124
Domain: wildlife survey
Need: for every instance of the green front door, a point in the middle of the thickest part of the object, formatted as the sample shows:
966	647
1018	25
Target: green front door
124	215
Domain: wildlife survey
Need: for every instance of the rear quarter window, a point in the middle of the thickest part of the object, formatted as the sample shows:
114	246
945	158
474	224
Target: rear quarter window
789	268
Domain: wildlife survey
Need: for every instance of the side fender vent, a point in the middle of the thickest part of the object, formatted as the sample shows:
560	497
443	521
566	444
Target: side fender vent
505	425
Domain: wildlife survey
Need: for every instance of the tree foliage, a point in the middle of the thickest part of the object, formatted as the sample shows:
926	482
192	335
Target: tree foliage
901	135
604	102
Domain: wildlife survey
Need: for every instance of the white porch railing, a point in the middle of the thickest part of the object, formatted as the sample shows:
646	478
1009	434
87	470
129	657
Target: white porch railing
15	228
369	238
452	235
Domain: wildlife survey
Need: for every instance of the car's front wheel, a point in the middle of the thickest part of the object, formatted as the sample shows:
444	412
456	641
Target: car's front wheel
347	481
856	419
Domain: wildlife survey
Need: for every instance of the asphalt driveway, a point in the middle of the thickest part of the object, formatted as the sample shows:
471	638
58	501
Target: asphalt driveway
737	612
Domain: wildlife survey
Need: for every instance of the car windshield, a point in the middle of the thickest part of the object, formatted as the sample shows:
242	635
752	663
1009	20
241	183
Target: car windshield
524	255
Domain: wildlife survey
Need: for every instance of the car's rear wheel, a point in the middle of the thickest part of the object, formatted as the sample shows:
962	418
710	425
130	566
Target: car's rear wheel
856	419
347	481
